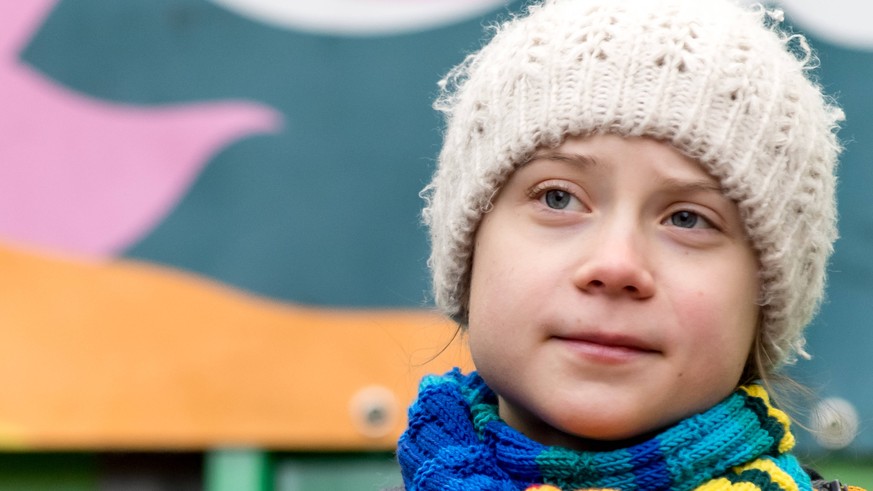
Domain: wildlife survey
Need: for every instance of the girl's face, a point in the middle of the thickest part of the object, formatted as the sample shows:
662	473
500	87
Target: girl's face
613	293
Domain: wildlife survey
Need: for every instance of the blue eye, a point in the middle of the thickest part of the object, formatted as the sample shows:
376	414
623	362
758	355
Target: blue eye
557	199
686	219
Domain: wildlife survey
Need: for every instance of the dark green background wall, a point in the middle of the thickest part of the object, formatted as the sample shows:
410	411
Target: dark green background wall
325	212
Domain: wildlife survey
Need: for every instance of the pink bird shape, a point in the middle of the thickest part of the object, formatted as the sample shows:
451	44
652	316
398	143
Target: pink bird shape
91	177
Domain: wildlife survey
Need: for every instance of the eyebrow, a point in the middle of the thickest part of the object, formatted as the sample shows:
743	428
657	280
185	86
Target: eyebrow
579	159
692	185
671	184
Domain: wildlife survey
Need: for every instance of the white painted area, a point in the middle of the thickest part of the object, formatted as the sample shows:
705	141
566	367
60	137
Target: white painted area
834	423
360	17
847	22
844	22
374	410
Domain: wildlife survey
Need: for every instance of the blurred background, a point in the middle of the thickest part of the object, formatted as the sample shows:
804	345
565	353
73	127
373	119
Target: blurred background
212	272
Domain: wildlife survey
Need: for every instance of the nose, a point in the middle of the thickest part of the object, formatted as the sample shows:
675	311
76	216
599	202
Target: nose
616	265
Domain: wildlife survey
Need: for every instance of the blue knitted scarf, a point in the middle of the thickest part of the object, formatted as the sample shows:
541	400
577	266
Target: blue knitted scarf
457	441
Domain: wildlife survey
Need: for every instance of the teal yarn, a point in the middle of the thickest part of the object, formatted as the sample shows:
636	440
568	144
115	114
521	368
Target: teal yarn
456	441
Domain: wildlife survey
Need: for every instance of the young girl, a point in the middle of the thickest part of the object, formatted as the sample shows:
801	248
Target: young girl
631	217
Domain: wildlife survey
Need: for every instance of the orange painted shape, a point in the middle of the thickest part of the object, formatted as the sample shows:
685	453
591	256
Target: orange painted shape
127	355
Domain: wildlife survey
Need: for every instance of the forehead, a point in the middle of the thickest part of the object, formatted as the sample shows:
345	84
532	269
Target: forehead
603	153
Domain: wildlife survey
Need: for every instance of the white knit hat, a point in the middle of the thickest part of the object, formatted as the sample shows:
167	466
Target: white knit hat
722	83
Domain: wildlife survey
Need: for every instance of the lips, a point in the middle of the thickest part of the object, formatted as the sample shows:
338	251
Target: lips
607	348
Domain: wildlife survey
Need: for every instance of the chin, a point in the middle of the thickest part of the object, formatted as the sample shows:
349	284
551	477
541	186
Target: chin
600	441
605	434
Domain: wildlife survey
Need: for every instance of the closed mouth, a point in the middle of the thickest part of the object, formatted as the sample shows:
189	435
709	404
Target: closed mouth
609	345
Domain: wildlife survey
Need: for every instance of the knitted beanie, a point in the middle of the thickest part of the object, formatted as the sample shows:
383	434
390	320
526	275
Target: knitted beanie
722	83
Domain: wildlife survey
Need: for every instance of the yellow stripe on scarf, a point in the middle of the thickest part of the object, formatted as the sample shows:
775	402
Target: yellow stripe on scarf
548	487
777	476
722	484
787	442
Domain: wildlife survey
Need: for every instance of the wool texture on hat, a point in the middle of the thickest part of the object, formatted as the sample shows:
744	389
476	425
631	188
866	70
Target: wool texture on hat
722	83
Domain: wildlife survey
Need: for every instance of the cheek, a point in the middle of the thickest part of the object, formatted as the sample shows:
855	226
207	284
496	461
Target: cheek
719	327
727	326
742	310
506	284
497	271
495	291
507	279
725	290
488	296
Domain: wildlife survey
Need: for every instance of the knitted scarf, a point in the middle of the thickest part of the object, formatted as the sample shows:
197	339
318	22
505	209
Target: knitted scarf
456	441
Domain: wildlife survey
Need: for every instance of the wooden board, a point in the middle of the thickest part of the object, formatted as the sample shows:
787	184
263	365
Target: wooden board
116	354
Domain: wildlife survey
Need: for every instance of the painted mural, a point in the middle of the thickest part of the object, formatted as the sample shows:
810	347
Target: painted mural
177	171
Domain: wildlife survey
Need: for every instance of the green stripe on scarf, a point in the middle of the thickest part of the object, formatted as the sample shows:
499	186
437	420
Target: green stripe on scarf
456	440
